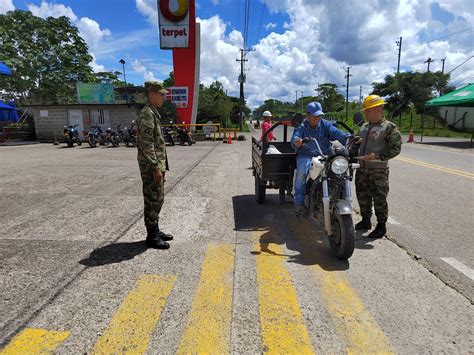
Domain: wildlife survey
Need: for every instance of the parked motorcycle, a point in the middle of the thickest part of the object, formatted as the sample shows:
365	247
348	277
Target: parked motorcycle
130	135
121	134
71	134
168	135
96	135
328	194
112	137
183	136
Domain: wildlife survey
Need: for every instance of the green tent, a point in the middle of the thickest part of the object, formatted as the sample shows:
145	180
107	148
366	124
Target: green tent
463	97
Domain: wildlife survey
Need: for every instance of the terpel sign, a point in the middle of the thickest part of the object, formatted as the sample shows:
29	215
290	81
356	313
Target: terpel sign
173	17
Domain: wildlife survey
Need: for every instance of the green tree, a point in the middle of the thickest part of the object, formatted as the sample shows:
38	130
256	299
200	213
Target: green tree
215	105
47	57
330	99
415	87
168	82
109	77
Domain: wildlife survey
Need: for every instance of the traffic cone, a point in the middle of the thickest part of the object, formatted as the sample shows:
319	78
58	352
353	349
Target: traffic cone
229	139
410	137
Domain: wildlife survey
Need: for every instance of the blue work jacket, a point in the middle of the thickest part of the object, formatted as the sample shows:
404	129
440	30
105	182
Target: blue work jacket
325	132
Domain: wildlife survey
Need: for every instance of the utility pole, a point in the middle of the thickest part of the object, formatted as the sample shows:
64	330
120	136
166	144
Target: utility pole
301	100
360	95
442	70
347	93
429	60
296	97
242	79
399	45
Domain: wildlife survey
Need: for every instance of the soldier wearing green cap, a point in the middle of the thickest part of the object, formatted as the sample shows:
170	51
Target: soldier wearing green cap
152	161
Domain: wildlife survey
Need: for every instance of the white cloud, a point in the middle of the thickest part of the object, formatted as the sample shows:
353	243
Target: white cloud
92	33
270	26
6	5
96	67
149	8
215	2
52	10
89	29
138	67
316	49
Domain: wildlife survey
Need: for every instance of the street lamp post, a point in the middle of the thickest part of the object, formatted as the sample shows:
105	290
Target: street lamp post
121	61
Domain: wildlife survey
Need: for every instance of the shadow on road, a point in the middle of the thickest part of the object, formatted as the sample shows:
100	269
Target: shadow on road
276	224
114	253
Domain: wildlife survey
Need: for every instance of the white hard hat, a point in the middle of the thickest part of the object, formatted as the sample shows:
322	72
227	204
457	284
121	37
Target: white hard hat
267	114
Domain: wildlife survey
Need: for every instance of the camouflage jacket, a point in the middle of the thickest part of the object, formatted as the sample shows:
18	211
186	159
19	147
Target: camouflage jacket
381	138
151	145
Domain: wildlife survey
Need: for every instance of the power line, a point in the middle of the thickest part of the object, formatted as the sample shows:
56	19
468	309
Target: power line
449	72
451	35
260	25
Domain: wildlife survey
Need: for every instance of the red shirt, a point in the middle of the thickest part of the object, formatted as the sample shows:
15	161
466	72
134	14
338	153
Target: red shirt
265	127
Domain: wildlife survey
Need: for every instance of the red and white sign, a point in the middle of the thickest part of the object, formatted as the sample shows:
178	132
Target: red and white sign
178	95
173	16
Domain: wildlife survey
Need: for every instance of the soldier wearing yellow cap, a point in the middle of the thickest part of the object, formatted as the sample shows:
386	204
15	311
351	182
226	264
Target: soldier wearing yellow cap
381	141
152	161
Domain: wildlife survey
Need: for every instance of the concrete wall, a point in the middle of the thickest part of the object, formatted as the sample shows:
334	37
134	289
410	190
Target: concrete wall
57	116
453	114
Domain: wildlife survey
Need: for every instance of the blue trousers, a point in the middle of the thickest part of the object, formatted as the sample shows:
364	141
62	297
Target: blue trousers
303	163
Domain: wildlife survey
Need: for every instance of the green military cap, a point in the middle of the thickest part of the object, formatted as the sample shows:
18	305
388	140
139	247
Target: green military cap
155	86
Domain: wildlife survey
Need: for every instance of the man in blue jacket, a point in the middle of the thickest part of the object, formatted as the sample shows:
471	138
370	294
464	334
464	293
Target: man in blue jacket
314	126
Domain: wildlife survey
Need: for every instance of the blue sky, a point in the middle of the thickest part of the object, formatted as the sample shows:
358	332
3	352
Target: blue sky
299	43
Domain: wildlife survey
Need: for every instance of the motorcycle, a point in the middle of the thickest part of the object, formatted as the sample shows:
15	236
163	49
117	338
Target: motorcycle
130	135
168	135
183	136
121	134
96	136
71	135
112	137
328	195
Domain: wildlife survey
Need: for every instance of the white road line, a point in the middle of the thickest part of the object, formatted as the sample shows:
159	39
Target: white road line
392	220
460	267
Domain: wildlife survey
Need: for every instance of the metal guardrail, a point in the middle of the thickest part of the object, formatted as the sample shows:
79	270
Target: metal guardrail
220	130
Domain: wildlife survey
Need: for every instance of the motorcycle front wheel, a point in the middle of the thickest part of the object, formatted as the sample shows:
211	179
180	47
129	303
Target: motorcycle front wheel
92	142
115	141
342	240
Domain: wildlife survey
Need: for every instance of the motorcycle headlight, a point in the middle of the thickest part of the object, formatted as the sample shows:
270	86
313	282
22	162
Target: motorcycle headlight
339	165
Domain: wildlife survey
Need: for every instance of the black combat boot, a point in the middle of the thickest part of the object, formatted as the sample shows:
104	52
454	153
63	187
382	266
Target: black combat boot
365	224
162	235
153	240
379	231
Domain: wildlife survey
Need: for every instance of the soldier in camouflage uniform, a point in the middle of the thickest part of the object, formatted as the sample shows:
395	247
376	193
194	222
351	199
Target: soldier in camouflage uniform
380	141
152	161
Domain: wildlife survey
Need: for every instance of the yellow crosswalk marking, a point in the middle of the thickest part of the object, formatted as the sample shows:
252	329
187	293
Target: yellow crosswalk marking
131	328
34	341
352	320
208	327
283	328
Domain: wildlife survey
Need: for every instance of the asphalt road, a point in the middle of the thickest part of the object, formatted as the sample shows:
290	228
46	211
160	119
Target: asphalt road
431	206
75	276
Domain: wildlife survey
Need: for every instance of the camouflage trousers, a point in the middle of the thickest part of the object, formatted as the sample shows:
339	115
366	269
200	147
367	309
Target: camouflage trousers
153	196
372	187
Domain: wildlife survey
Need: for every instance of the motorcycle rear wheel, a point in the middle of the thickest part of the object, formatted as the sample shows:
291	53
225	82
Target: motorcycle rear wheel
342	240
